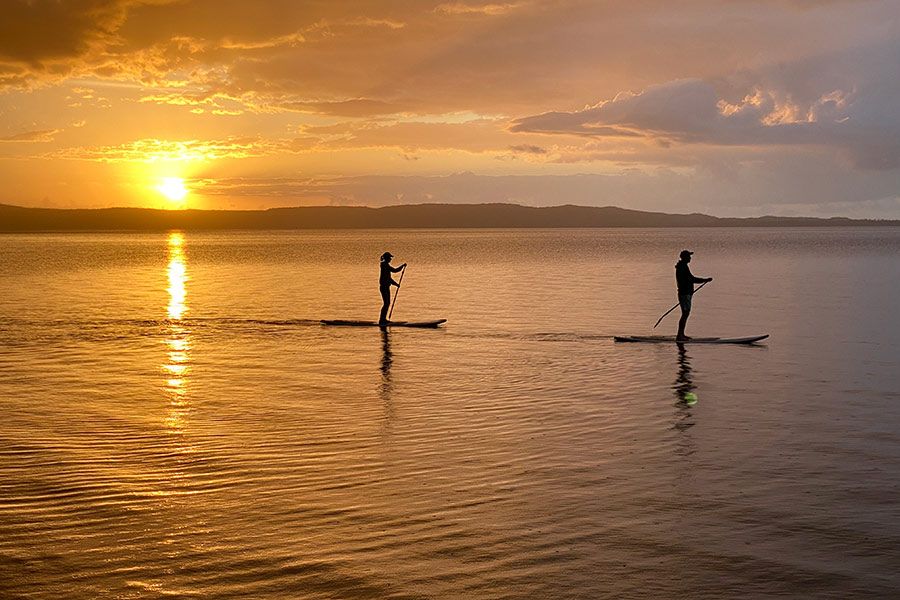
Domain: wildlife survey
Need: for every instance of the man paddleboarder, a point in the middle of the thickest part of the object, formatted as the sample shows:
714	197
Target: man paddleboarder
385	282
686	281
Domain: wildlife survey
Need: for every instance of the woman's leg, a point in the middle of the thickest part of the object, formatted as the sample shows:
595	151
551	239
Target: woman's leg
385	303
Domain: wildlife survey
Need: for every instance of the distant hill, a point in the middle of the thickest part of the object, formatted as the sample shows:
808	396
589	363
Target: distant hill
21	219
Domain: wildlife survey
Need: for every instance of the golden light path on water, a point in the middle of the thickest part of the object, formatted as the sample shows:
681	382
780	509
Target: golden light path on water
177	340
177	276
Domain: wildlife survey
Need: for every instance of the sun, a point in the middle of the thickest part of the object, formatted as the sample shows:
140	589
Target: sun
173	188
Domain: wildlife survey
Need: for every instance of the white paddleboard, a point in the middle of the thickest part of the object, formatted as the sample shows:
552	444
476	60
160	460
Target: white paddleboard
670	339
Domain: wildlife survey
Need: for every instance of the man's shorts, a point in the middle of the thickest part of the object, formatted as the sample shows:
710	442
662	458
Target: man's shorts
684	300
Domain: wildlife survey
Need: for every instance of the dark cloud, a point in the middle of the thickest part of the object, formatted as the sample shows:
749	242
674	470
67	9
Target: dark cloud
850	110
528	149
372	56
34	31
48	40
43	135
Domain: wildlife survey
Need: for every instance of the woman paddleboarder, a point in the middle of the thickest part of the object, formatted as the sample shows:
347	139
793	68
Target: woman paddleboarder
385	281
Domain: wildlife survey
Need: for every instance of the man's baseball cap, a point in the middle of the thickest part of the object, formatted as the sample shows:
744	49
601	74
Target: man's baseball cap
386	255
685	253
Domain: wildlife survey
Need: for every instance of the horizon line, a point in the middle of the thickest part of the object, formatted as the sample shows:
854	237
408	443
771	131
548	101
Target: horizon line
175	211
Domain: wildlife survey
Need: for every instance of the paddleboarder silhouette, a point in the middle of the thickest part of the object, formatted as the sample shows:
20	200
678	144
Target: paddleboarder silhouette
685	280
385	282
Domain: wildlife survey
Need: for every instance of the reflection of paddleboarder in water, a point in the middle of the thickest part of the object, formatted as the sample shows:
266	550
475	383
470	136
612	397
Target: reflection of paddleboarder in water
385	282
683	389
386	388
686	281
387	357
684	383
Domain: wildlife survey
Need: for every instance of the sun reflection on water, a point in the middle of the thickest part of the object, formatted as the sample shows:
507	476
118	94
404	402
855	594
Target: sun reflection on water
177	276
178	345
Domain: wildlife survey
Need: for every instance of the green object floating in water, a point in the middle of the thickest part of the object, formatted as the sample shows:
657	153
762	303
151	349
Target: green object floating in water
690	398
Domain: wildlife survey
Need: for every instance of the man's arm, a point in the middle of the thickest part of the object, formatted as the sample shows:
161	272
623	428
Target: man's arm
398	269
694	278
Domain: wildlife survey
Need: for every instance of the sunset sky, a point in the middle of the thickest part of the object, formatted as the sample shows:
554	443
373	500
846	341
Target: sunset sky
730	108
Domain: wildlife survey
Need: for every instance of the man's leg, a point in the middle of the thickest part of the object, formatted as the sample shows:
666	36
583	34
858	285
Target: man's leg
684	300
681	323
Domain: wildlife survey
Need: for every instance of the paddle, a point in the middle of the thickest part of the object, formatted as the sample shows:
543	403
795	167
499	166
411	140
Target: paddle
397	291
676	306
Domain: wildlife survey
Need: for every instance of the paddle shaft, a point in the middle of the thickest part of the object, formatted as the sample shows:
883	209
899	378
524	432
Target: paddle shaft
676	305
397	291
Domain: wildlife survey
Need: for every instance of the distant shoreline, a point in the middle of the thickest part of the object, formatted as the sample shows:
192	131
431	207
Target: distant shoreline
17	219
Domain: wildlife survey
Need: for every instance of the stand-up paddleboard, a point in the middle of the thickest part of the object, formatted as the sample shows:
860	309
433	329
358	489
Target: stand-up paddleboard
346	323
660	339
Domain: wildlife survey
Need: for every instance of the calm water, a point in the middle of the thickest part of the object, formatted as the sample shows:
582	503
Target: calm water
175	423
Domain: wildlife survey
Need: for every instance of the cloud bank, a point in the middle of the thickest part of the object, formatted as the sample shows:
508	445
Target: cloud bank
700	90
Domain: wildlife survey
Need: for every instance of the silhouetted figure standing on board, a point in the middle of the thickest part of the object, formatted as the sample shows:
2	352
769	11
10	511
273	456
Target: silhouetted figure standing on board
385	282
686	281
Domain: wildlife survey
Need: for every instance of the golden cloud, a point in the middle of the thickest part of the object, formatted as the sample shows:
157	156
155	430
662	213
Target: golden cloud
154	150
490	9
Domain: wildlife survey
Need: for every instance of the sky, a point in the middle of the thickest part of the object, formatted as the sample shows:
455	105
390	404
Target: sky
730	108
